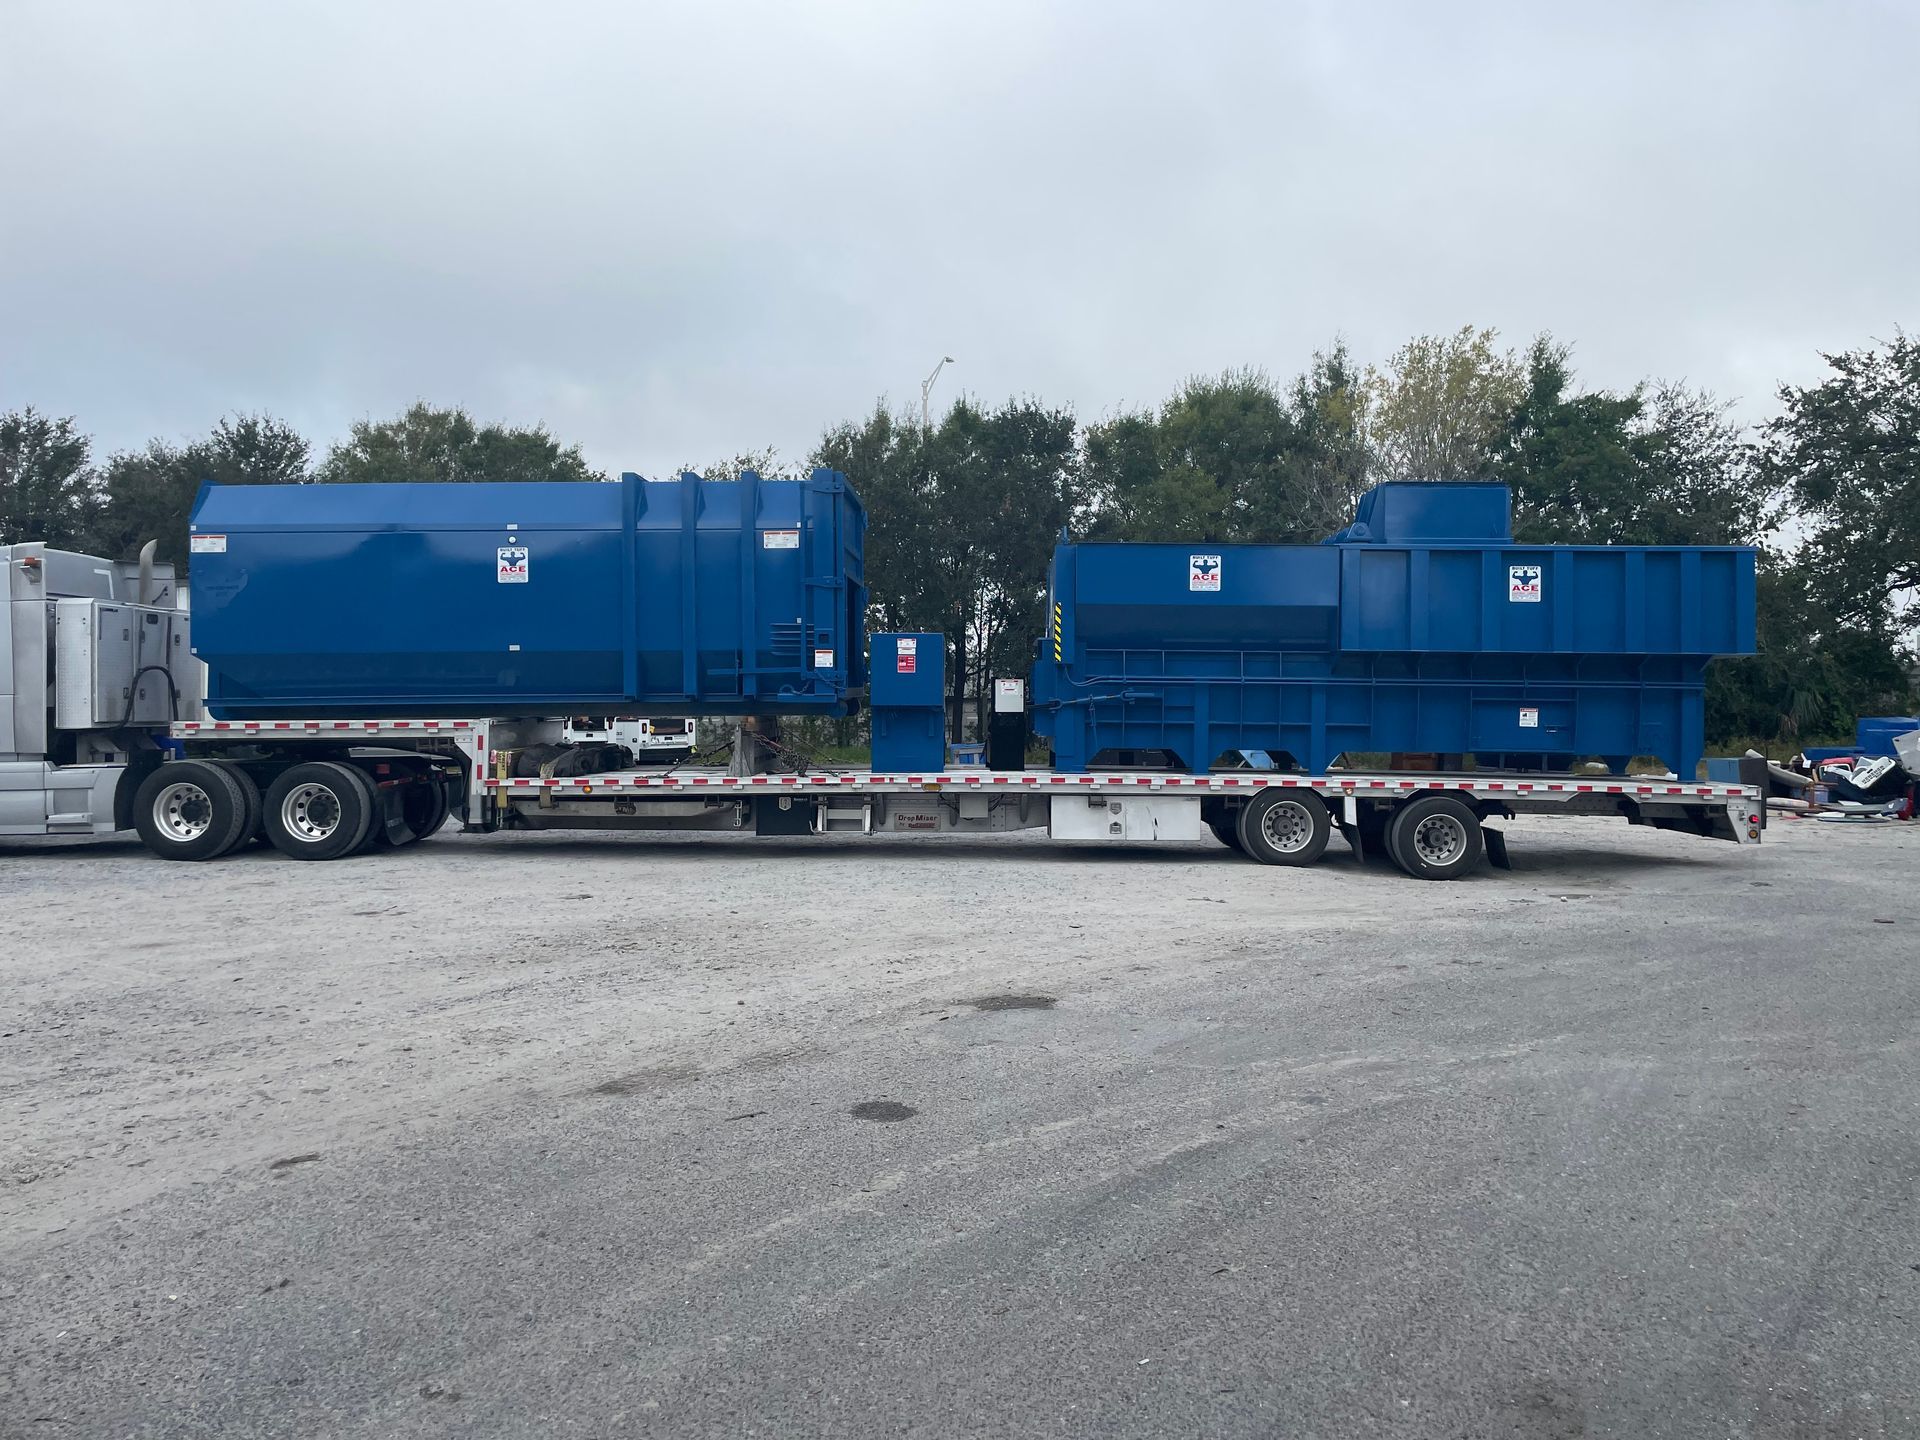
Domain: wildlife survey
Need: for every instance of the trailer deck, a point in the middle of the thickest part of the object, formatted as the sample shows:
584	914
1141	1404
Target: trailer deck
1117	805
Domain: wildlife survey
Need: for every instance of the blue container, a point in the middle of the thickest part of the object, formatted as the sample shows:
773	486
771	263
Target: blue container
1873	736
907	695
1419	628
680	597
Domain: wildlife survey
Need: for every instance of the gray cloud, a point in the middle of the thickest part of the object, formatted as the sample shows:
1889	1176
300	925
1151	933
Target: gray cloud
678	233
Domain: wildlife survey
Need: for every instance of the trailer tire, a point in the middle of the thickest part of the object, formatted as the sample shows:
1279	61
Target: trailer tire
1435	837
321	810
423	806
1226	831
250	795
379	797
190	810
440	806
1372	829
1284	827
1222	819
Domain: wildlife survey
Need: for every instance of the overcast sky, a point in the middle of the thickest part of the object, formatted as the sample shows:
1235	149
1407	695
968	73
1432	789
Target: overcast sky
677	233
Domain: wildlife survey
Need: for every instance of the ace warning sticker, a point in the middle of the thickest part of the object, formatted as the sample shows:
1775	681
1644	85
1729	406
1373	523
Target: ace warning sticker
1203	572
1523	583
513	565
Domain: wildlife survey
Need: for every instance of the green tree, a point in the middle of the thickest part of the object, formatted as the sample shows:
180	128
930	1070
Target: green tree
1812	676
1436	409
430	443
961	522
1329	465
46	491
1847	452
765	463
1660	465
1574	462
1699	484
1232	457
148	494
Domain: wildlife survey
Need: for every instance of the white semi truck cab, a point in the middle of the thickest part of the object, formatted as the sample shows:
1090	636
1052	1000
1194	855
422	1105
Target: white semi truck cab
95	663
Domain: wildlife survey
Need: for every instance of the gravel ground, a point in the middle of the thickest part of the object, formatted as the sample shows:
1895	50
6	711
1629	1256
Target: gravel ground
540	1135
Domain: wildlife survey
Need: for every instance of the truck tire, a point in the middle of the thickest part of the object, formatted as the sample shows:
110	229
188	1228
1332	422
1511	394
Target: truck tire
388	801
1226	830
1372	829
1435	838
379	798
190	810
423	808
321	810
1222	821
1284	827
250	795
438	806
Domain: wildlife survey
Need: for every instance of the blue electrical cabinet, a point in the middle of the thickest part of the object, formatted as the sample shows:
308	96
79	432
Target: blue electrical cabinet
1421	627
676	597
907	697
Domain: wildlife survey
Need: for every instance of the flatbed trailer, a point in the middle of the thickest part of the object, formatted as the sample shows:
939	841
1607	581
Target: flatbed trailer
421	772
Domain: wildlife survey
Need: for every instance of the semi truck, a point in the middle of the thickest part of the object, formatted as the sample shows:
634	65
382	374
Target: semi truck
96	738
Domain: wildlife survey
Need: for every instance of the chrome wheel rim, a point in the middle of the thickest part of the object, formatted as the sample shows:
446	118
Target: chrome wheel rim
1286	827
183	812
1440	839
310	812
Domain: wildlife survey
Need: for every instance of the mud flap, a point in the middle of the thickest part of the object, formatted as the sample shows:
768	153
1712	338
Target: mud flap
1347	818
1496	843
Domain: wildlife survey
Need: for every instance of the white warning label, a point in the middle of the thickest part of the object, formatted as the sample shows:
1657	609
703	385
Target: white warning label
823	659
779	539
207	544
512	565
1523	582
1529	719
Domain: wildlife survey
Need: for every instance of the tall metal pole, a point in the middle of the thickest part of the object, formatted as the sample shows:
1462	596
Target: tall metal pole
926	389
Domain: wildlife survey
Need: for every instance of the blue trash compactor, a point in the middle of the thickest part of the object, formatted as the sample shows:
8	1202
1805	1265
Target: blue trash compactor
676	597
1422	627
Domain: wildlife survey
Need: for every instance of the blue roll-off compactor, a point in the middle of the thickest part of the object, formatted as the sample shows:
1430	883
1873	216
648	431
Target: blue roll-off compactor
380	658
1422	627
682	597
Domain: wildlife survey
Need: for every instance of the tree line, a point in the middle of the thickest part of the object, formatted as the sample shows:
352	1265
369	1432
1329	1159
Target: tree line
963	514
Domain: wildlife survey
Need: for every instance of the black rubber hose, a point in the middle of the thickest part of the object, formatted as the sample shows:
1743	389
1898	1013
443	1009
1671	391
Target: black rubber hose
173	694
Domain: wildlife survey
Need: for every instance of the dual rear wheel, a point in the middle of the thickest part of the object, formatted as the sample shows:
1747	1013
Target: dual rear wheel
1436	837
196	809
326	809
317	810
1283	827
1431	837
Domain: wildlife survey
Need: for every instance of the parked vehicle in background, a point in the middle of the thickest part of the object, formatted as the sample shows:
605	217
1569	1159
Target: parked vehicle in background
651	740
